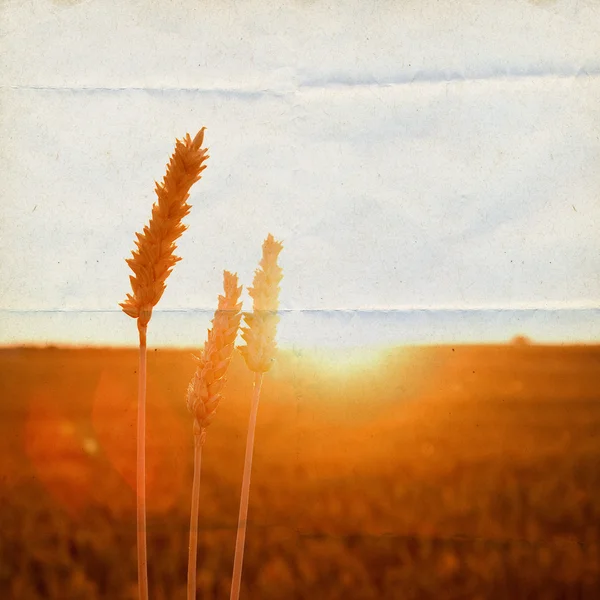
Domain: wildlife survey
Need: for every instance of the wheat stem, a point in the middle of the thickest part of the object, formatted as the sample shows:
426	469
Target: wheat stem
204	394
141	469
151	263
259	353
243	516
199	437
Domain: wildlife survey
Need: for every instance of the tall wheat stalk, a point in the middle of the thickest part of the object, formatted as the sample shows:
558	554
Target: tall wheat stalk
151	263
204	395
259	353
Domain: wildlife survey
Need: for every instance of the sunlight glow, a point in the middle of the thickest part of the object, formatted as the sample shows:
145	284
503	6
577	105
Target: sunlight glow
347	361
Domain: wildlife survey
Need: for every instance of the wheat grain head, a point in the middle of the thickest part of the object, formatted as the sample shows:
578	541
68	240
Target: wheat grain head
204	390
154	258
259	335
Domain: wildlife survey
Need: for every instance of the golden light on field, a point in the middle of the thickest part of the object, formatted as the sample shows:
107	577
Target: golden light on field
347	362
362	456
53	445
114	419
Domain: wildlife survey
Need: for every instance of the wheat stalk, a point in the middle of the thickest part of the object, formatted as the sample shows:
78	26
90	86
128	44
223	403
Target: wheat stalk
152	262
204	394
259	353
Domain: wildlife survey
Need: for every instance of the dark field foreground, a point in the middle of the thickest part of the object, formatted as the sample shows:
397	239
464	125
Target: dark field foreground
440	473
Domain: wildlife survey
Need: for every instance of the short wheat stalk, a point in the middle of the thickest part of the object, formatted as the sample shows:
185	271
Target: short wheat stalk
259	353
204	395
151	263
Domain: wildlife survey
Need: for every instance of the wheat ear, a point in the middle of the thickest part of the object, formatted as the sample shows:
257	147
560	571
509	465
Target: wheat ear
259	353
204	394
152	262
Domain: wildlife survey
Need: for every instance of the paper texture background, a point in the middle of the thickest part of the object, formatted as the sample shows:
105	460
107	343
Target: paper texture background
432	170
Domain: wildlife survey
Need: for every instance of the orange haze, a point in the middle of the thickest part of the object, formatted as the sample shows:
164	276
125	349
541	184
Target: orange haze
449	471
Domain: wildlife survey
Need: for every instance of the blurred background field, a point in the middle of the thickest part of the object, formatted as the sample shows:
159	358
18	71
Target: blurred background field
425	472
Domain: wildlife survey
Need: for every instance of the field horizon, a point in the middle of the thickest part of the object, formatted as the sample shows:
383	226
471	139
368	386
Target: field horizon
444	471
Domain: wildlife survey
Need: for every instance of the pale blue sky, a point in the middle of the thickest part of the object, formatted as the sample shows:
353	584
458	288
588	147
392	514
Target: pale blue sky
408	155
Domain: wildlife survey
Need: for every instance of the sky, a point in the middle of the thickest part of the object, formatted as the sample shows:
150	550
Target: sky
433	171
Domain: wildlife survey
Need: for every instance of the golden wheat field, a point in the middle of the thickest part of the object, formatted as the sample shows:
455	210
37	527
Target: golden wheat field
448	472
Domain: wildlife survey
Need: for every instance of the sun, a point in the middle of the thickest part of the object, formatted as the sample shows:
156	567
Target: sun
347	361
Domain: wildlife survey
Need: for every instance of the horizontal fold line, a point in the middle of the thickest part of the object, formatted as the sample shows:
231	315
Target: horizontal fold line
334	83
452	78
581	308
